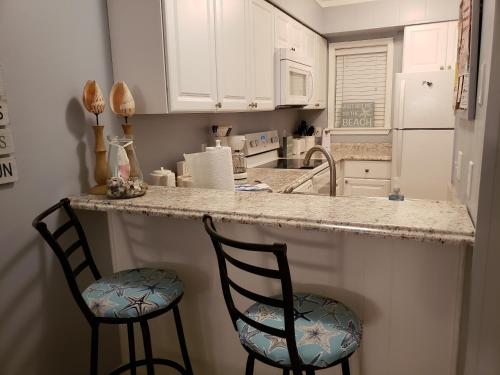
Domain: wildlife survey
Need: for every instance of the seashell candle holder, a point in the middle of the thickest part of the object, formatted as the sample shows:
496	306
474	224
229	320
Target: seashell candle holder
93	101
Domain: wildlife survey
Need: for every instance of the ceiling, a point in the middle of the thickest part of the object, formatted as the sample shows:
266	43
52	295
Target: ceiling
336	3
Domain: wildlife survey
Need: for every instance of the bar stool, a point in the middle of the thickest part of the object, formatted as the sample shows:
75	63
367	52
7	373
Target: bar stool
294	331
126	297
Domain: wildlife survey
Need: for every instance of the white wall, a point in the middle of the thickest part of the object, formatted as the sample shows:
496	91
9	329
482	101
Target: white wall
308	12
469	135
48	50
483	341
387	14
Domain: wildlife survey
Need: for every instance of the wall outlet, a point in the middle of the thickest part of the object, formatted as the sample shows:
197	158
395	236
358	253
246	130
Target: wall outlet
458	165
469	178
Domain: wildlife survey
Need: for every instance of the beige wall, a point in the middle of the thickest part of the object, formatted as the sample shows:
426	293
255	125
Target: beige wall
48	50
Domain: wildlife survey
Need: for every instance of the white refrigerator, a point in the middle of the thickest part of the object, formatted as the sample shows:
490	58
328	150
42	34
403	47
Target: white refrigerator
423	131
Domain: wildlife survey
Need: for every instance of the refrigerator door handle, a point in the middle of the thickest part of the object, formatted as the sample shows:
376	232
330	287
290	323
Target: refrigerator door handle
401	109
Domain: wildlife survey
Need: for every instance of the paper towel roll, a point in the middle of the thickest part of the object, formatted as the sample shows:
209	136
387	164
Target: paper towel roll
212	169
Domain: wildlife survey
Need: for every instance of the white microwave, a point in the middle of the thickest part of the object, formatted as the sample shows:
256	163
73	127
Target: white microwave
294	79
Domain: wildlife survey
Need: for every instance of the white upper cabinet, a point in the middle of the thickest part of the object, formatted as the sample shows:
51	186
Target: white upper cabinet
190	34
430	47
232	20
320	71
262	55
202	55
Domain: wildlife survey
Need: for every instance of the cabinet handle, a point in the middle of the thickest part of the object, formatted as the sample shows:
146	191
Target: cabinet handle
218	105
317	104
449	67
441	67
255	105
346	181
293	49
251	105
367	170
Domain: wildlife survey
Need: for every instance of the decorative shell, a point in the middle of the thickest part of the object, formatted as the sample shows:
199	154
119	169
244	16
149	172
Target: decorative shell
92	97
121	100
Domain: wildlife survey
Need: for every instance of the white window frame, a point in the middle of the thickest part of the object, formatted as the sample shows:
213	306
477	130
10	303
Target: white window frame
332	48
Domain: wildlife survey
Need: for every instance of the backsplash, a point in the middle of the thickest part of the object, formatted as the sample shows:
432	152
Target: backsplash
161	140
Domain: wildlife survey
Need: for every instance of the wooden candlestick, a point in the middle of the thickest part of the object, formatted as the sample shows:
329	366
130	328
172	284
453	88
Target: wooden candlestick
93	100
101	167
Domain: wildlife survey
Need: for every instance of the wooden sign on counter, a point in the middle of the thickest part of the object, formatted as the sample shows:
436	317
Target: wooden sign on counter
8	170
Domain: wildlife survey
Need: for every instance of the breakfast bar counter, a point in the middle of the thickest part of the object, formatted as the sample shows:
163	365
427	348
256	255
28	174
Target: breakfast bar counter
401	266
421	220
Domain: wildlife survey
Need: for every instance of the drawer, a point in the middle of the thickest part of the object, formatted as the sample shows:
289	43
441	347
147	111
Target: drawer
367	169
366	187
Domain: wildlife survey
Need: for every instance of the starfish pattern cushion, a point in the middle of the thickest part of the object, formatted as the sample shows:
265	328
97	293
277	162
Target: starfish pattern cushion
325	331
132	293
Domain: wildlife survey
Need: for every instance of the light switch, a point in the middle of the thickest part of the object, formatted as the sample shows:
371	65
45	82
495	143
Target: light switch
469	178
458	165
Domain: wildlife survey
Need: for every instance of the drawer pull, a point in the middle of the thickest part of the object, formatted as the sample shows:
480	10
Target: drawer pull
367	170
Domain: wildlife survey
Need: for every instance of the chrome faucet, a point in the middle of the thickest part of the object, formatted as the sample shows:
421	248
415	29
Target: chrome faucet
331	165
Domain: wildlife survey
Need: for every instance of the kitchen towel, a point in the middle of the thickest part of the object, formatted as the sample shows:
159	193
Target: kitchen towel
212	169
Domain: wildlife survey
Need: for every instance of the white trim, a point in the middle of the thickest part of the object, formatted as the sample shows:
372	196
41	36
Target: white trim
354	47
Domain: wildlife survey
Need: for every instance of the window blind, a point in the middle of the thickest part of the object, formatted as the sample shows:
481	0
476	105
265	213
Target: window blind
361	77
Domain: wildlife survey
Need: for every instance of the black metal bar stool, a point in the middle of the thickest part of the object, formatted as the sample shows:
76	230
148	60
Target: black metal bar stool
294	331
126	297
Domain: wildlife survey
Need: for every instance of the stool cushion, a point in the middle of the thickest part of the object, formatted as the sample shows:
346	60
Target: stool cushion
325	331
132	293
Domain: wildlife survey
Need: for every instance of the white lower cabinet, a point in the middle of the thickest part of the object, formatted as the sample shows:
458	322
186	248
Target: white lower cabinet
366	187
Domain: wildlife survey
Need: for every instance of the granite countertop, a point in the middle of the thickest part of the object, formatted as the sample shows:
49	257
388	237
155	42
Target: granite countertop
421	220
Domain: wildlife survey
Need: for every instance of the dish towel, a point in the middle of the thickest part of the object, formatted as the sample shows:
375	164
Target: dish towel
254	187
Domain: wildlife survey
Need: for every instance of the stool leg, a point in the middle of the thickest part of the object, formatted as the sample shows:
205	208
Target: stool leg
309	372
148	351
131	347
345	367
286	371
182	341
94	349
250	363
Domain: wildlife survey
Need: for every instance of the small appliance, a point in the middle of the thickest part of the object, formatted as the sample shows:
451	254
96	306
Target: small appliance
294	78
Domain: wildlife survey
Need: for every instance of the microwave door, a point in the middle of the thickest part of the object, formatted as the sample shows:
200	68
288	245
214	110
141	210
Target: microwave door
296	80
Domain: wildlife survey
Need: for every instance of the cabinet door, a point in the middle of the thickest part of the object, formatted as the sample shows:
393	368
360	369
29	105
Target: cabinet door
308	43
190	35
296	36
233	64
262	54
321	78
281	20
366	187
452	42
318	99
425	47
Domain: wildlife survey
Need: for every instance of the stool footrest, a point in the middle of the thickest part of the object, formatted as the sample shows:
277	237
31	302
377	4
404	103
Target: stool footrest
156	361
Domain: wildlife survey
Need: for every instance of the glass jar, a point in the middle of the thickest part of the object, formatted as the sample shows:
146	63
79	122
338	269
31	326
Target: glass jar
125	179
239	162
